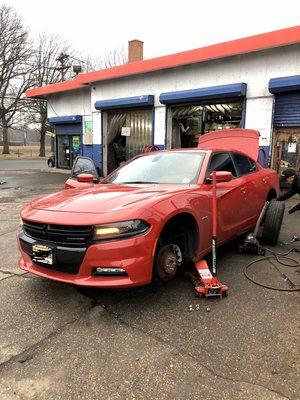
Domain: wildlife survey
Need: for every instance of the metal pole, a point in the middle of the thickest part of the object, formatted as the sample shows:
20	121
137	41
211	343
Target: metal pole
214	224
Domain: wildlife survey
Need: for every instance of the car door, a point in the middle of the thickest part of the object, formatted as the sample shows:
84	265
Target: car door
253	184
82	165
231	197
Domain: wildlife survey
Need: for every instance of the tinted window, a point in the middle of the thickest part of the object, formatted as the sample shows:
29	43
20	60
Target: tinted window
221	162
253	165
244	164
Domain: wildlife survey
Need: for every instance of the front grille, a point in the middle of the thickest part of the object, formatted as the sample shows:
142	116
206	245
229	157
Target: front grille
64	235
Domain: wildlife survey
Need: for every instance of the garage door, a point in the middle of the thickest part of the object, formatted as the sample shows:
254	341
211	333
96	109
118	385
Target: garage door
286	151
287	109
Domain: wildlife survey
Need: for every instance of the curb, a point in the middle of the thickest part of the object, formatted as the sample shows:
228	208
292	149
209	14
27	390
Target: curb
56	171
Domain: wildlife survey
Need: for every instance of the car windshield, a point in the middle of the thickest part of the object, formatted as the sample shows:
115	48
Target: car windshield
173	167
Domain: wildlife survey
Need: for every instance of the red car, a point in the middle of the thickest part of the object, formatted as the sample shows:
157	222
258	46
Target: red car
149	216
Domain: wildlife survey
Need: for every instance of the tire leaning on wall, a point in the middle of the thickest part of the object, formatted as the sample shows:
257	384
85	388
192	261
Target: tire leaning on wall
272	222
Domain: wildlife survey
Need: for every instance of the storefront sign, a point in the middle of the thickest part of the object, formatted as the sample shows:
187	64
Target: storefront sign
126	130
75	142
87	128
292	147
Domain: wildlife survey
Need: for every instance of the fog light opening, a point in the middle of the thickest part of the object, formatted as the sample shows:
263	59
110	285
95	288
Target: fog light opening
98	271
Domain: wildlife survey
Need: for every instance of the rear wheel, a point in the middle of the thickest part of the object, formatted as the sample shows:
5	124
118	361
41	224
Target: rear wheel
272	222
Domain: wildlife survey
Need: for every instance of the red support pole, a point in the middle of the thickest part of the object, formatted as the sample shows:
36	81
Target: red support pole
214	224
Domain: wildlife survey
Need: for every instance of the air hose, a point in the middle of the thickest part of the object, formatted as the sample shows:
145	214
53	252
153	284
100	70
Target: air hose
281	258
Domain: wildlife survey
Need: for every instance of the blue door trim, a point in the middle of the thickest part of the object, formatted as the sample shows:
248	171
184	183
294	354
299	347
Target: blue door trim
284	84
125	102
208	93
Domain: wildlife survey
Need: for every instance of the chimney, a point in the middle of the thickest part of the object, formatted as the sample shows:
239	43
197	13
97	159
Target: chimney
135	50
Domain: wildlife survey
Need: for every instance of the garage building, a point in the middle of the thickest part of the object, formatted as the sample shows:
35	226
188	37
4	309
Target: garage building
169	101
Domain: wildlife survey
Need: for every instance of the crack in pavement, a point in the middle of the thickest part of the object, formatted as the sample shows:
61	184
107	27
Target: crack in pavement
187	354
32	350
5	233
12	275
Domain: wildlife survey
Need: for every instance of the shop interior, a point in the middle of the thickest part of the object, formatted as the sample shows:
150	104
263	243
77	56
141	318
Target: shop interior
191	121
127	132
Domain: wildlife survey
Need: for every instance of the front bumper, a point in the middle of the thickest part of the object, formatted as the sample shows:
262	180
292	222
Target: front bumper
135	255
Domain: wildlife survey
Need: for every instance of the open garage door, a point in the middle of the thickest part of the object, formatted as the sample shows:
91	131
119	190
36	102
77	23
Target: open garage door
126	128
125	133
192	113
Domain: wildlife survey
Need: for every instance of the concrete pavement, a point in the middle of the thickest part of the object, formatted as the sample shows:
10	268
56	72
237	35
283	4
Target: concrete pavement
63	342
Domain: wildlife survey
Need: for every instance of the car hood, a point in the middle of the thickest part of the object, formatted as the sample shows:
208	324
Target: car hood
106	198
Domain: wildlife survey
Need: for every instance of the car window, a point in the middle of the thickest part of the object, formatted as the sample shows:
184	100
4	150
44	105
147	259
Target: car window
84	165
253	165
244	164
221	162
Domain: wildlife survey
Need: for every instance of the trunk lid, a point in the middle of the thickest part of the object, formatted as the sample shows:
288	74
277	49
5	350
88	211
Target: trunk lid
242	140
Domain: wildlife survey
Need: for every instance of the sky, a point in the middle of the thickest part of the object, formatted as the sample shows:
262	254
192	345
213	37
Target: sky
165	26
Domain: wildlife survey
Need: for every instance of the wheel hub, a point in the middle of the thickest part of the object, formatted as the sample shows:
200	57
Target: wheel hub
171	259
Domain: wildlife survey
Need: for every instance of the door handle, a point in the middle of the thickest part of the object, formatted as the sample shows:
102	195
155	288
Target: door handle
265	180
243	190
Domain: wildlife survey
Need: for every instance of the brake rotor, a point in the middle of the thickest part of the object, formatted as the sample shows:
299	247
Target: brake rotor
170	260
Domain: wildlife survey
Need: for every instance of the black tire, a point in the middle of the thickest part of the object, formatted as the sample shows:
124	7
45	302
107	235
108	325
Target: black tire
272	222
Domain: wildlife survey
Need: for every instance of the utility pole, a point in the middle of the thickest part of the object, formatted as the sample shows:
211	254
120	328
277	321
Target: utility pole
62	59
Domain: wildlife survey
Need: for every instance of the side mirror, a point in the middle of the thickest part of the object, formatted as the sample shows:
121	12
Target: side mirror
85	178
222	176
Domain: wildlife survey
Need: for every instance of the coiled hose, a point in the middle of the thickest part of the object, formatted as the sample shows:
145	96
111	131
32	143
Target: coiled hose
281	258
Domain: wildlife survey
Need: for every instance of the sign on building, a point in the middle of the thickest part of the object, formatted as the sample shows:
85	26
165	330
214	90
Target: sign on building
87	129
126	130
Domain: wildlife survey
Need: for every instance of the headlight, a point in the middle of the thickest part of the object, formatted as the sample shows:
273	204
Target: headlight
120	229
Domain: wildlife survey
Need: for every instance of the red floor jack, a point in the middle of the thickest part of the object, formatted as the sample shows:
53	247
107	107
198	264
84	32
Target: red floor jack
206	283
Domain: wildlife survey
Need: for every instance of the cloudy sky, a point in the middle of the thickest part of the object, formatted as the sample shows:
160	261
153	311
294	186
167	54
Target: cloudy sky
165	26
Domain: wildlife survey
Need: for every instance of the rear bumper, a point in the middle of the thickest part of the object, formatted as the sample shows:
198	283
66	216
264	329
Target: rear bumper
134	255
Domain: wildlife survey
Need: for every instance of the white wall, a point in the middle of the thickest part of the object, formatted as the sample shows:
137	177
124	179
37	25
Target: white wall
75	102
255	69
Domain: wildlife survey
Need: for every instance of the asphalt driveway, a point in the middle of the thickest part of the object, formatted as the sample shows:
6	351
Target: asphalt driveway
62	342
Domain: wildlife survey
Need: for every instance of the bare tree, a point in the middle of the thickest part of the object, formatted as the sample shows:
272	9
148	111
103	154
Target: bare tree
110	58
15	70
52	64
